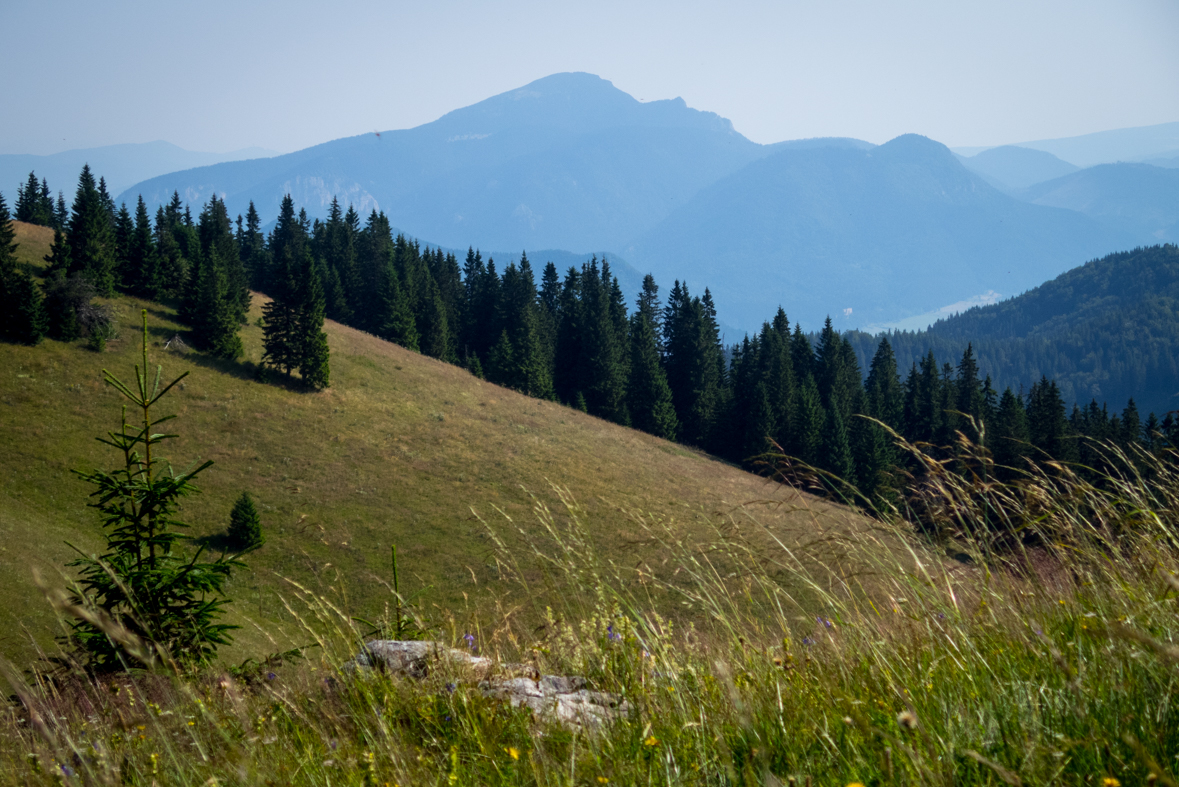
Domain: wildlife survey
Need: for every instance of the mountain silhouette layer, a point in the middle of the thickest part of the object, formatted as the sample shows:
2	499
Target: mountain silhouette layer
1012	167
864	236
1136	198
568	161
838	226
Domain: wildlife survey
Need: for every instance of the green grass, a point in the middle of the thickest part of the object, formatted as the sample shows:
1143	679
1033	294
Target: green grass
760	636
1051	666
401	450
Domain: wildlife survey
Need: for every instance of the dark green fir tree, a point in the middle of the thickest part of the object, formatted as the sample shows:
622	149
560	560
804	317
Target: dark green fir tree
245	526
22	311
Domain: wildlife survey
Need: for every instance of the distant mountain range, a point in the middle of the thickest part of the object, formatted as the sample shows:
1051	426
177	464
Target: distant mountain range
566	162
1138	198
122	165
1011	167
864	236
1105	147
871	235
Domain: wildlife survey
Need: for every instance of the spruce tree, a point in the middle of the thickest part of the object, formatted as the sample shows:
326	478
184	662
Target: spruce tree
1131	431
567	378
254	255
60	215
777	365
398	324
886	398
500	363
28	207
91	235
245	526
280	330
970	389
1048	427
124	232
759	423
311	341
217	237
835	452
871	454
216	319
1010	439
648	395
143	582
809	420
22	313
143	261
1151	433
46	215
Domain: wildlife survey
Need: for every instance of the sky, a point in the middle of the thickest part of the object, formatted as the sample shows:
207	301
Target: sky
219	76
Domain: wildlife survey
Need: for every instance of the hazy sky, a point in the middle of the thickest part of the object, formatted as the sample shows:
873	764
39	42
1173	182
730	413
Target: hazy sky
218	76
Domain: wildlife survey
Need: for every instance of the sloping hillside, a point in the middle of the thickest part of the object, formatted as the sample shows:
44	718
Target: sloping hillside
398	451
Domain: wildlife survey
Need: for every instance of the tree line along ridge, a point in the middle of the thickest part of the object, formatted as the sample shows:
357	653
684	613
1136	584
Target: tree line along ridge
661	367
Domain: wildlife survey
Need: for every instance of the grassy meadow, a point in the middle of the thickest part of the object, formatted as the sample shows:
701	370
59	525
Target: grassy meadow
759	635
402	450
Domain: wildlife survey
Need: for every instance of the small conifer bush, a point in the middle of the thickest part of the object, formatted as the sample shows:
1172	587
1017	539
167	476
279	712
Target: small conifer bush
143	599
245	527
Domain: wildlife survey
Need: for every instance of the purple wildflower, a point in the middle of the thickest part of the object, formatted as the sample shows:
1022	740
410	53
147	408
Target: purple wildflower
825	621
807	641
470	638
270	676
450	687
612	634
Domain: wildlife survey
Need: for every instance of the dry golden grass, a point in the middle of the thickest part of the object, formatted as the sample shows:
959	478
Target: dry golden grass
34	243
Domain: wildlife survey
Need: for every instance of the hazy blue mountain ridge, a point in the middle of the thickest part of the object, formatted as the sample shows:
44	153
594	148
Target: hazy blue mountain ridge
868	234
568	161
1011	167
1137	198
1104	147
886	232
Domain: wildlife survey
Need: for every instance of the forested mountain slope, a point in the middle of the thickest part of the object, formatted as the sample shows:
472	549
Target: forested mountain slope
1107	330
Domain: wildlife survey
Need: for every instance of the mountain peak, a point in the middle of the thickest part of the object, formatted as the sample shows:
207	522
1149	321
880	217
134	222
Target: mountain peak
576	101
